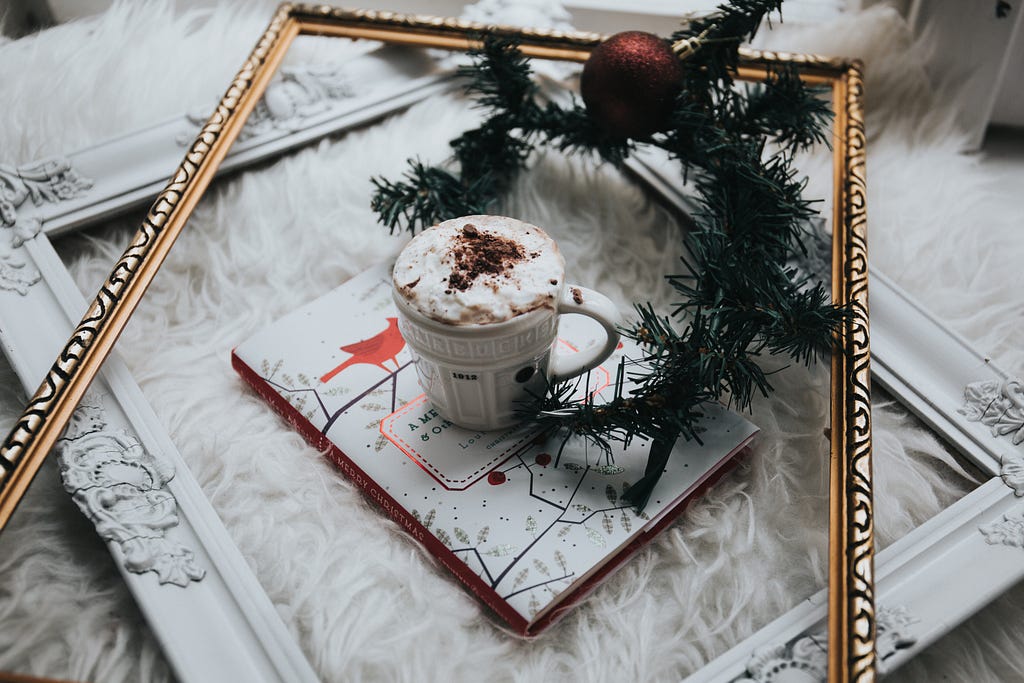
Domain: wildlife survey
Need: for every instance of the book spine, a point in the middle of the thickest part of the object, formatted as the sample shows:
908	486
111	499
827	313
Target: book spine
322	443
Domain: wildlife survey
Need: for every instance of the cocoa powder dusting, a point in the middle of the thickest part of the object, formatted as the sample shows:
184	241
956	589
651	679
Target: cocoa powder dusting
481	253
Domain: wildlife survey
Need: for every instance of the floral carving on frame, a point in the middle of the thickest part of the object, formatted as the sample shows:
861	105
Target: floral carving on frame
120	487
49	180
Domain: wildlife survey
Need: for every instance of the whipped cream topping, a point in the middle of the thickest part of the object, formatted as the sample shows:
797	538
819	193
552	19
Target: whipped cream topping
479	269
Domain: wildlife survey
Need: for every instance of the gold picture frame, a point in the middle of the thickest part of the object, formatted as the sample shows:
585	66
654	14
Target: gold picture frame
851	569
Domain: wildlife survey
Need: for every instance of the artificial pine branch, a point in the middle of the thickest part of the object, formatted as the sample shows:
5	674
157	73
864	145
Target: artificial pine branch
428	195
489	157
782	111
720	35
740	298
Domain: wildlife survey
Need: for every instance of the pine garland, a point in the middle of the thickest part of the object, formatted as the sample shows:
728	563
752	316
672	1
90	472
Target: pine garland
741	298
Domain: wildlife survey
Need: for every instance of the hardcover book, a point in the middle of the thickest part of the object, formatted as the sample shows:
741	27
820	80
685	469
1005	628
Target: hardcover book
529	525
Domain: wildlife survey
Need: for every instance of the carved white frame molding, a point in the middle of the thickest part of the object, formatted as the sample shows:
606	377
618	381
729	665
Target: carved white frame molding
187	576
185	572
302	104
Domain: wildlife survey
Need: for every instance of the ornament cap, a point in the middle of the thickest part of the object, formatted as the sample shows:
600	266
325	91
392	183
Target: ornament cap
687	47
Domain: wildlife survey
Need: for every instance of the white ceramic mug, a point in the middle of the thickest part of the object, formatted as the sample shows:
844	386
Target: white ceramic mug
481	375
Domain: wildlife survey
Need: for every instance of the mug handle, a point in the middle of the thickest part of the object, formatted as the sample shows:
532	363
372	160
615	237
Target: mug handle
576	299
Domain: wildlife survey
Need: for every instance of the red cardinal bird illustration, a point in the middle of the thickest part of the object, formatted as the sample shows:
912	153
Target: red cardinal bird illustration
373	351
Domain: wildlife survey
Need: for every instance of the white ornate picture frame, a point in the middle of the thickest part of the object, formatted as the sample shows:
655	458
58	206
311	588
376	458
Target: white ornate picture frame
117	461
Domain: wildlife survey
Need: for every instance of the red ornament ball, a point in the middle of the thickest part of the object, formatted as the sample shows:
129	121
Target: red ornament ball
630	84
496	478
543	459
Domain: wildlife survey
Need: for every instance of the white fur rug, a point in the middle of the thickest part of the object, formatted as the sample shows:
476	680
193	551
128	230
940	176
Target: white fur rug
363	600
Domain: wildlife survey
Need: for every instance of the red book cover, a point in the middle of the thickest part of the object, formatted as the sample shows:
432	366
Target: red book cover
528	530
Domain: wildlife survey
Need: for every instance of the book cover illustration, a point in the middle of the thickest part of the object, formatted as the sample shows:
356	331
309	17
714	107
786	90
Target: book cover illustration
524	533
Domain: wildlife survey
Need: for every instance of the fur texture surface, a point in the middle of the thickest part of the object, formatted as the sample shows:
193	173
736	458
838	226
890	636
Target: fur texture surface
361	598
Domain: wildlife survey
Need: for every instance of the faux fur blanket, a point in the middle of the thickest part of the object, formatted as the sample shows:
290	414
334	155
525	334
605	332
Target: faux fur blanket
361	598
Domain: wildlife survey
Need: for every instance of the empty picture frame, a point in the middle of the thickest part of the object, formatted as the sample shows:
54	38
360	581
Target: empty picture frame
851	579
